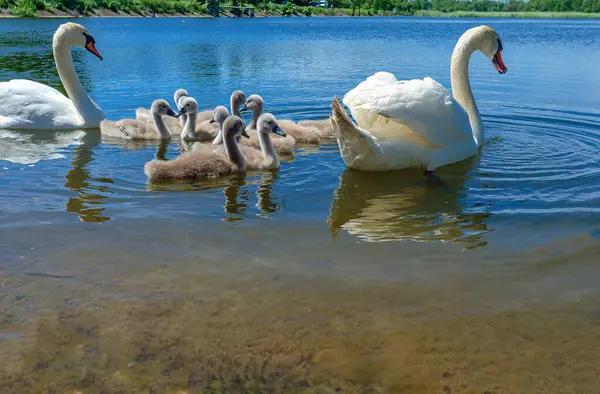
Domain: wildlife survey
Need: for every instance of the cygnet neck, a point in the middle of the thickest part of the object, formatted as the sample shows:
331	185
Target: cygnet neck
271	158
256	112
162	128
189	130
233	152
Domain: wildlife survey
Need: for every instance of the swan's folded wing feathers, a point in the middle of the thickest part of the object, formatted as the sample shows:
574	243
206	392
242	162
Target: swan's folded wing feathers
423	105
360	94
28	102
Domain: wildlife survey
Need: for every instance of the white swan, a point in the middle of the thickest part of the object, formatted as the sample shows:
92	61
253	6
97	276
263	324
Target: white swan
416	123
133	129
26	104
203	164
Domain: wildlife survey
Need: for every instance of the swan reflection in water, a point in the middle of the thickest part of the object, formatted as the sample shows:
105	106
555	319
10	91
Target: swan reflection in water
403	205
31	147
90	192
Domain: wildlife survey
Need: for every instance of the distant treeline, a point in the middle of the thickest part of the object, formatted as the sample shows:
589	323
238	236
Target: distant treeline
306	7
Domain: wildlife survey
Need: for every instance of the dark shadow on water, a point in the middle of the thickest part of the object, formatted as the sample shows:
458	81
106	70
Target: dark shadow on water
405	205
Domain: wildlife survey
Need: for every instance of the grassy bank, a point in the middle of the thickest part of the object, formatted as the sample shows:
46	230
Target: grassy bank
526	14
150	8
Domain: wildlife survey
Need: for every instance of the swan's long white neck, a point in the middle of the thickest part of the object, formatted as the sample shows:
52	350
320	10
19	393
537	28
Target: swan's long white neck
87	108
271	158
461	87
162	128
189	130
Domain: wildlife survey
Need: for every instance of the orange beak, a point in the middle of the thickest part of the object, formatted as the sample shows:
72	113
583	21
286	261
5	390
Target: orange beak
498	63
90	47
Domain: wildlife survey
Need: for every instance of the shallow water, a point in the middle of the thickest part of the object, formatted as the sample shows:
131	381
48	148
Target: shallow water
502	250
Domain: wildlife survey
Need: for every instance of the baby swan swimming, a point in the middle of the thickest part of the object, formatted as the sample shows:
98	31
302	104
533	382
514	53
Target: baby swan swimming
133	129
324	126
263	159
175	125
203	164
256	104
192	131
300	133
237	99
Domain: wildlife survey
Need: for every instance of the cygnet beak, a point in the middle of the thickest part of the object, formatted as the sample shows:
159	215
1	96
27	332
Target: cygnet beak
212	121
278	131
172	113
181	112
244	109
245	134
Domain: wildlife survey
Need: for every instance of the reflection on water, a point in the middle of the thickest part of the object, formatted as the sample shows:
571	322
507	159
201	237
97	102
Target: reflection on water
236	198
89	198
404	205
268	203
29	147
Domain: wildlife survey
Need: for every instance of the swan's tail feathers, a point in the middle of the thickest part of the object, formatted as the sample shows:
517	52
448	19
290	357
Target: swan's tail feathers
356	145
339	117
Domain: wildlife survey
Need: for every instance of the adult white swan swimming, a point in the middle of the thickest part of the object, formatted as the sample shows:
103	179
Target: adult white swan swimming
26	104
416	123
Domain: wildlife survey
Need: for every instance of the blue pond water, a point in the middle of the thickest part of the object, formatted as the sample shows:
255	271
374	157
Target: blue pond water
519	223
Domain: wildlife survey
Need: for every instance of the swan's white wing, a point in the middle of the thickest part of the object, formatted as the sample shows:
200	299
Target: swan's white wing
26	104
422	105
360	94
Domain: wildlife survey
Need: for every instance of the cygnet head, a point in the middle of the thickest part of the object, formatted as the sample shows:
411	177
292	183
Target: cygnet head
188	105
161	107
253	102
487	40
237	98
234	127
179	93
75	34
268	124
220	114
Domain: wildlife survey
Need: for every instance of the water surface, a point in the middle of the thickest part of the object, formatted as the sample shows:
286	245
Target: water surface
504	247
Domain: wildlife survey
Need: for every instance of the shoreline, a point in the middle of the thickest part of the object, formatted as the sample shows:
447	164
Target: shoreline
104	13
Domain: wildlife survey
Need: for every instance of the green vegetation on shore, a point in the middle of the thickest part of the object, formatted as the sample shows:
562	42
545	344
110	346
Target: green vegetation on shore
508	14
444	8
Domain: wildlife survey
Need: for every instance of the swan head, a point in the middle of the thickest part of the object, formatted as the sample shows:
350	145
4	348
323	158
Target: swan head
187	106
234	127
268	124
489	43
253	103
237	98
76	35
161	107
179	93
220	114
